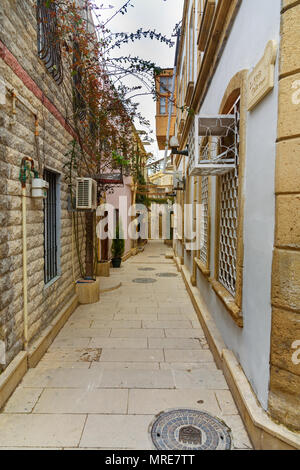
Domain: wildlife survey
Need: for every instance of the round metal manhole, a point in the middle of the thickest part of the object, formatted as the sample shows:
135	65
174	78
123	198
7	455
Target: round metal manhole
146	269
184	429
167	275
144	280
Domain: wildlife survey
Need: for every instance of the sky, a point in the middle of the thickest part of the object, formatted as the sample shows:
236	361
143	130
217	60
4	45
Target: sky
161	15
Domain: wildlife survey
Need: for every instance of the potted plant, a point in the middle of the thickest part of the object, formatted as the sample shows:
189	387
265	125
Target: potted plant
117	248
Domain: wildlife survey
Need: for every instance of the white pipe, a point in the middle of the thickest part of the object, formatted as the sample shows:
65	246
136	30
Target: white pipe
170	105
25	292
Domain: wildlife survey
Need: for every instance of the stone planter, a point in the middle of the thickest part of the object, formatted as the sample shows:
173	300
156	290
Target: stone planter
103	269
88	292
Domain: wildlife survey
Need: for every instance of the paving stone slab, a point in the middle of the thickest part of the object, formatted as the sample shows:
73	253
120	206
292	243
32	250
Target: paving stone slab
119	343
128	432
201	378
126	365
185	355
156	401
171	343
44	430
188	366
137	333
137	379
132	355
117	324
23	400
184	333
166	324
84	333
79	401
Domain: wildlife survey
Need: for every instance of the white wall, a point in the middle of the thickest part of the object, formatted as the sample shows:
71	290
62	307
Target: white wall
257	22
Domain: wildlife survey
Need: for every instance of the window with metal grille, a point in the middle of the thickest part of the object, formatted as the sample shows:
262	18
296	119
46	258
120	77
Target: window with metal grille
229	218
203	254
50	228
48	45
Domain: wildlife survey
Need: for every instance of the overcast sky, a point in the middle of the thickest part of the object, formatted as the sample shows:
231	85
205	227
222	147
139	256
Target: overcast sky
147	14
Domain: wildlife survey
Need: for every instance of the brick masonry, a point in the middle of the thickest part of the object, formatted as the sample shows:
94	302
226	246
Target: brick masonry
23	71
284	397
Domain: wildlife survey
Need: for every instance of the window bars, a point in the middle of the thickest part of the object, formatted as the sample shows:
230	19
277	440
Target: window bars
50	228
229	218
48	45
203	255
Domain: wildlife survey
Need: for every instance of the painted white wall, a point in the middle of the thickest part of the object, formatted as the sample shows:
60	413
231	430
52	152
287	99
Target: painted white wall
257	22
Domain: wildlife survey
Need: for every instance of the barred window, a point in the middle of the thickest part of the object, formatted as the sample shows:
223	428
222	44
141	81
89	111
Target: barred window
80	107
229	216
203	255
48	44
51	228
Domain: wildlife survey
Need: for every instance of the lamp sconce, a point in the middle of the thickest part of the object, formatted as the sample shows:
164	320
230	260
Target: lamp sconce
174	144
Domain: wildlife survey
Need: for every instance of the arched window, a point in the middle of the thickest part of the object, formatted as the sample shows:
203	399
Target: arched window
48	44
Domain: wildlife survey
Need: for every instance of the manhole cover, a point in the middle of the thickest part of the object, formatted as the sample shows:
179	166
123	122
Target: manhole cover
167	275
184	429
144	280
146	269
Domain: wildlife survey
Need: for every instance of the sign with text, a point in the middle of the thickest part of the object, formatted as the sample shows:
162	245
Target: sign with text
261	79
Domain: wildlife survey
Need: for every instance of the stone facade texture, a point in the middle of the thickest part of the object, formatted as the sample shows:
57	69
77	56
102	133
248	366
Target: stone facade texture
37	94
284	397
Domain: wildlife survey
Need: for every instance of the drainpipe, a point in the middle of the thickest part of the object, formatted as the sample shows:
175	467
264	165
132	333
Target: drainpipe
170	103
24	236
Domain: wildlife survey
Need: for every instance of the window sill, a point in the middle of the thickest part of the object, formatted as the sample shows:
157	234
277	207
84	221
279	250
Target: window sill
53	281
228	300
202	268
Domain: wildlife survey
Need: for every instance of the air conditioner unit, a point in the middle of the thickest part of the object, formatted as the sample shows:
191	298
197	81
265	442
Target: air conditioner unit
86	194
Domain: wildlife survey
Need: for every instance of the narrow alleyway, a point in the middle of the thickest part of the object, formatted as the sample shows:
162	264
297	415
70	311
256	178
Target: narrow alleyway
116	364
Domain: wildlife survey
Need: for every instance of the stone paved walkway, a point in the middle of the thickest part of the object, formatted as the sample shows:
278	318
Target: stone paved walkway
118	363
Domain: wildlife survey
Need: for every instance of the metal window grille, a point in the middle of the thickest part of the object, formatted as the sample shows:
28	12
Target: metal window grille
48	45
228	221
203	255
50	228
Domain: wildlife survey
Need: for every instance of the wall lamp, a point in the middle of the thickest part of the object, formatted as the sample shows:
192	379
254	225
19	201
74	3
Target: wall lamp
174	144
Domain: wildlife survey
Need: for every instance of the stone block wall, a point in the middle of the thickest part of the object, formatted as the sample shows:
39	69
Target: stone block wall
284	397
37	94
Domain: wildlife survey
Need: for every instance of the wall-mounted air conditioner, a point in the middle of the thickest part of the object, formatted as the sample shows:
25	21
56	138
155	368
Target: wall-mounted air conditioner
86	194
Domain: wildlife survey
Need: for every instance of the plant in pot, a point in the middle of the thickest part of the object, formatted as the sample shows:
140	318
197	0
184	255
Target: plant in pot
117	248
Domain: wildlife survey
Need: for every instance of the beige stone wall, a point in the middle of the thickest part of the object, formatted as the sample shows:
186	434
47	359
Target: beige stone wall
284	397
18	33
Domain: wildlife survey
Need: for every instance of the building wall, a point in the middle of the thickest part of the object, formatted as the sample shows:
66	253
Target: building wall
284	397
113	198
255	24
23	71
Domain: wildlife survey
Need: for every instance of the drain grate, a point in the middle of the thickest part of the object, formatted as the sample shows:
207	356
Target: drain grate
153	256
184	429
144	280
146	269
167	275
